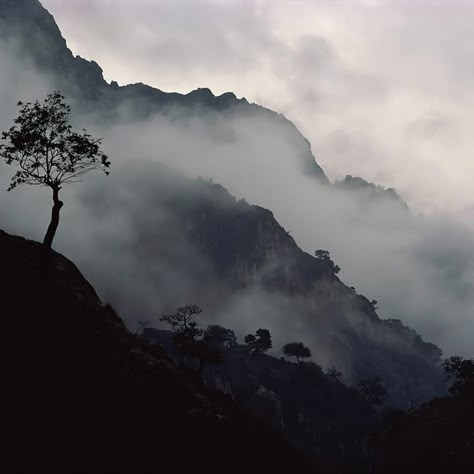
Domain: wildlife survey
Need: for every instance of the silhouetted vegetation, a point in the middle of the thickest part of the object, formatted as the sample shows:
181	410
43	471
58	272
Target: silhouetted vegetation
187	336
220	337
296	349
183	323
461	373
373	390
333	373
260	342
48	152
325	257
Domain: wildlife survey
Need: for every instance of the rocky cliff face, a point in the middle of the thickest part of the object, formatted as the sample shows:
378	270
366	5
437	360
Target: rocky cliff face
248	249
30	31
84	395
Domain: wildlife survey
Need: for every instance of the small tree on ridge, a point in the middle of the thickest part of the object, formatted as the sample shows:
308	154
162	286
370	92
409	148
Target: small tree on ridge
48	152
220	337
183	323
333	373
296	349
260	342
187	336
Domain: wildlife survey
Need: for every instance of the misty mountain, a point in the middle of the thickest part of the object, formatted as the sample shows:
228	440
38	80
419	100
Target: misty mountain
370	191
237	262
35	34
191	240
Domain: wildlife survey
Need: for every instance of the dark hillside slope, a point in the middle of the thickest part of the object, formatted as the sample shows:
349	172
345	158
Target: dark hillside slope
318	414
83	395
437	437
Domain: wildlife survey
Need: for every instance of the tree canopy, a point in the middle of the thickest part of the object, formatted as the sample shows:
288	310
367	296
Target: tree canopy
47	152
220	337
461	373
333	373
373	390
184	323
296	349
188	336
261	341
325	256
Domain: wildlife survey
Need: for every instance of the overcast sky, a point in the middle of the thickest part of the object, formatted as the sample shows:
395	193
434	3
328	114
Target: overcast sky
383	89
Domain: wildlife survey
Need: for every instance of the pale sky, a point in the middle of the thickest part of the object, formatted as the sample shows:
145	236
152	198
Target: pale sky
383	89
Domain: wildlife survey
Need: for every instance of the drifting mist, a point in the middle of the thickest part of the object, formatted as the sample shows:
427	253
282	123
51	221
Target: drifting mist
420	269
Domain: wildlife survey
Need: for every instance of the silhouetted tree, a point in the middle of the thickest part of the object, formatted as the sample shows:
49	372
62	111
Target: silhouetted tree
296	349
333	373
220	337
461	373
326	257
373	390
48	152
183	323
187	335
260	342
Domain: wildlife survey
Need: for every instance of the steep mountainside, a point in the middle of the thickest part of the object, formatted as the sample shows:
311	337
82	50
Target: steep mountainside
29	27
245	263
83	395
248	249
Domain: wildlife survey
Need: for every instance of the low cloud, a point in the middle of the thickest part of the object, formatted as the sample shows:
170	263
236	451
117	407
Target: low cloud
420	269
369	71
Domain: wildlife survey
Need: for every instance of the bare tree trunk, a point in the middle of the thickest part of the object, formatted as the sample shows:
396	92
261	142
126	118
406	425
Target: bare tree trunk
53	225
